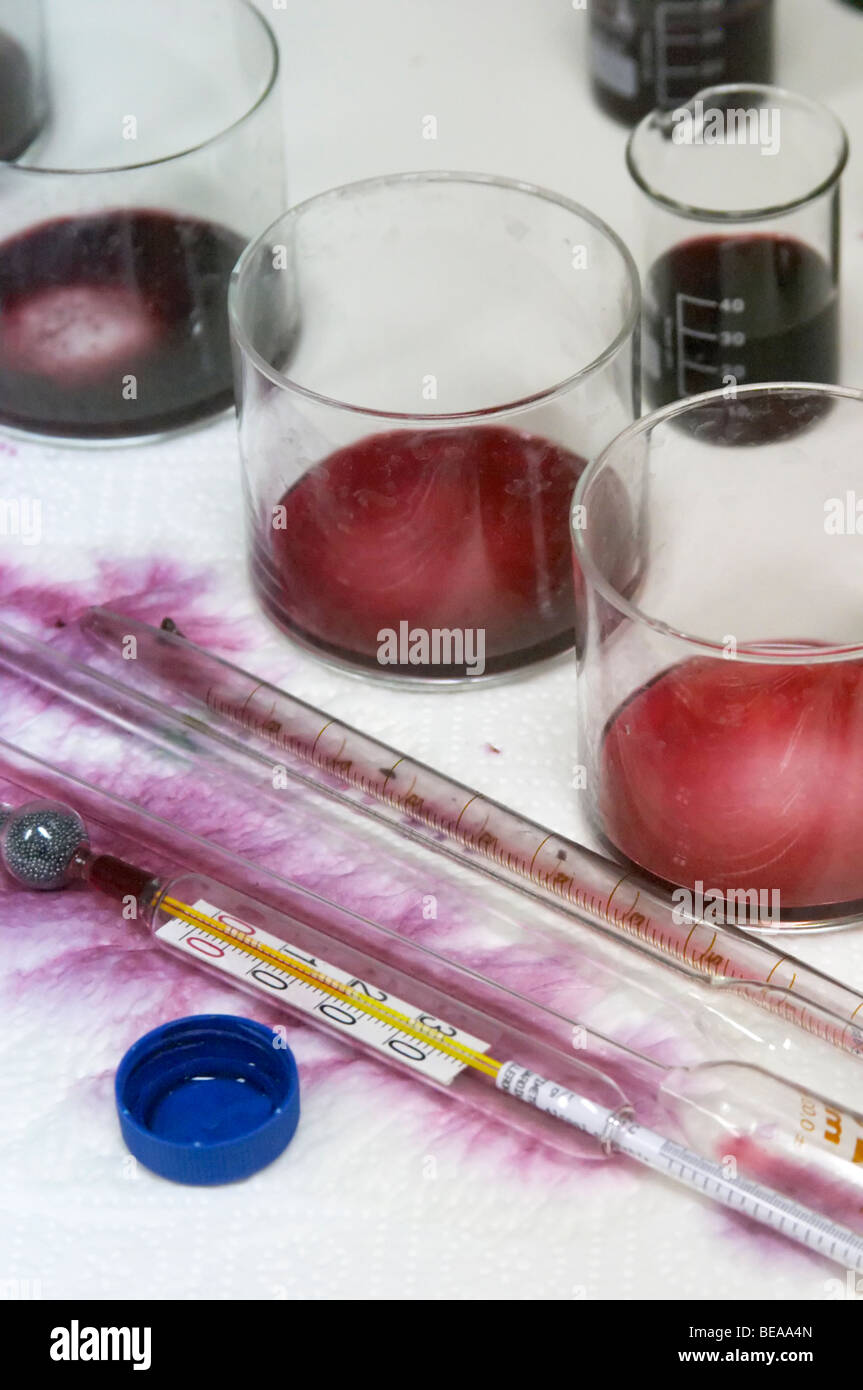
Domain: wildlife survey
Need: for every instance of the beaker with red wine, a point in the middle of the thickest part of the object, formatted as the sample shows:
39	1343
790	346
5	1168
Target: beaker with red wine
155	155
657	53
740	245
721	691
424	364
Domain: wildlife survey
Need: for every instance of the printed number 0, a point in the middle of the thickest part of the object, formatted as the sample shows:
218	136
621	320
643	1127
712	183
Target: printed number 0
205	947
337	1015
406	1050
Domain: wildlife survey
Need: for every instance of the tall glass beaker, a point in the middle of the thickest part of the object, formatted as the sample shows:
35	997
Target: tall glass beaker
741	262
646	53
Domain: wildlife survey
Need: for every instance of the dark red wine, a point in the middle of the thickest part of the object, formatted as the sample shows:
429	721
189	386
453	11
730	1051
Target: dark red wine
755	308
115	324
742	775
448	530
19	99
649	53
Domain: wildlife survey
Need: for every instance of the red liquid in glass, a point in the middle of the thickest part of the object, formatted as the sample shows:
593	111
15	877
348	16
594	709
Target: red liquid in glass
648	53
440	529
758	308
19	118
744	776
88	303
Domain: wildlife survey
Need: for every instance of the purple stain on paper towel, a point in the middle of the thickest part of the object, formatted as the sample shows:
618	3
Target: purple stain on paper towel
84	962
142	589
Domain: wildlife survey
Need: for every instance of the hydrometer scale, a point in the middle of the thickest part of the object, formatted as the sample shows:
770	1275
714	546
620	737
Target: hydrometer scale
456	820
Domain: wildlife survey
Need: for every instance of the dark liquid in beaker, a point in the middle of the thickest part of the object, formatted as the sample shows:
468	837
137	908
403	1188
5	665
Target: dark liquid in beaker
751	308
115	324
19	99
648	53
450	530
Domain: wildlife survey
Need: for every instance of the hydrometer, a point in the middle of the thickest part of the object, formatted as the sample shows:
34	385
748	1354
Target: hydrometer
452	818
409	1007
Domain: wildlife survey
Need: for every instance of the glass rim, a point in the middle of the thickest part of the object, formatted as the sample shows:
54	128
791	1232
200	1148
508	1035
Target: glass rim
629	326
701	214
618	601
16	166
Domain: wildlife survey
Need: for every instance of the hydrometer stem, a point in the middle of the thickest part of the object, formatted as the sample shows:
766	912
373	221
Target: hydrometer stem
454	819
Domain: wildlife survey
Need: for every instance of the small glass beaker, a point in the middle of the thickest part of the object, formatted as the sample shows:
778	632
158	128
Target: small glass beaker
741	279
720	646
657	53
159	154
22	75
424	362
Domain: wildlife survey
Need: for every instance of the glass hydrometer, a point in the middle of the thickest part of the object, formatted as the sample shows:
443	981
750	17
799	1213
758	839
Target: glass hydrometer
416	1010
456	820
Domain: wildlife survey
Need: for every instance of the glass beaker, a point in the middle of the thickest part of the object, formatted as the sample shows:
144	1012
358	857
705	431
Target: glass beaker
657	53
22	75
424	362
721	687
742	241
160	153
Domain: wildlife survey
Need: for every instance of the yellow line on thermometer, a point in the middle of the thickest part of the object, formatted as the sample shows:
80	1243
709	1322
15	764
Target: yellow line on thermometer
308	975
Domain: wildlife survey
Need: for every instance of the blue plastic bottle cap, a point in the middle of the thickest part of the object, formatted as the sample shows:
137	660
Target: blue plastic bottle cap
208	1099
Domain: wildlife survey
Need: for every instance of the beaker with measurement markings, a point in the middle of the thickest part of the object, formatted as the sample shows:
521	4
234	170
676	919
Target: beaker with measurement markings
646	53
741	260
